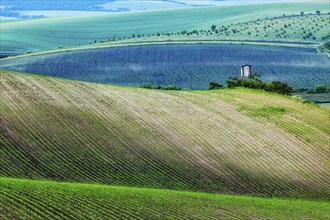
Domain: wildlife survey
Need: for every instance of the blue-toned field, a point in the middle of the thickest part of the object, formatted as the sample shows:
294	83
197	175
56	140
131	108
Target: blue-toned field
187	66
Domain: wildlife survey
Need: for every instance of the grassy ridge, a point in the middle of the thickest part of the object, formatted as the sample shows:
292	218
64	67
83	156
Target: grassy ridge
303	30
228	141
49	200
43	34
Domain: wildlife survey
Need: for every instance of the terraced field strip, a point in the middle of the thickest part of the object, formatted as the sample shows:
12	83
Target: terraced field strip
21	199
18	37
227	141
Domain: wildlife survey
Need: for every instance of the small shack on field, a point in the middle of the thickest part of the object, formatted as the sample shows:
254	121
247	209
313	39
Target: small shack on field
245	70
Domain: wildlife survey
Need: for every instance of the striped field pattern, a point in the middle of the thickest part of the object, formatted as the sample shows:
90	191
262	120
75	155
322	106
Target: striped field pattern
230	141
27	199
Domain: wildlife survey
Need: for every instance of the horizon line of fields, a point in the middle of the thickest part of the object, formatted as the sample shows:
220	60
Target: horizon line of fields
44	34
22	198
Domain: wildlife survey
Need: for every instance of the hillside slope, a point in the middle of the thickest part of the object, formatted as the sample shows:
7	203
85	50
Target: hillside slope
227	141
30	199
21	36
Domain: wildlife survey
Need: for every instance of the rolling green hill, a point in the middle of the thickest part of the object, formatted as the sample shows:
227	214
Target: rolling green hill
232	141
295	29
48	200
20	36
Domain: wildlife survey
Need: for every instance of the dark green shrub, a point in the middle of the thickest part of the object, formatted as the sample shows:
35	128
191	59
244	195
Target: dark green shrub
321	88
172	87
148	86
279	87
215	85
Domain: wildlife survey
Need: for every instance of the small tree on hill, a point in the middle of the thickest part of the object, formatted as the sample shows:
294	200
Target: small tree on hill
172	87
279	87
213	27
148	86
215	85
233	82
321	88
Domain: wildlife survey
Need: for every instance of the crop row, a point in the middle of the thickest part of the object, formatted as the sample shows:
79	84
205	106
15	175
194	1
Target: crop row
198	141
28	199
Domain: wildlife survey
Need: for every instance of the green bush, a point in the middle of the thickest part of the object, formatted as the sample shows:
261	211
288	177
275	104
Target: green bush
254	82
172	87
148	86
321	88
279	87
215	85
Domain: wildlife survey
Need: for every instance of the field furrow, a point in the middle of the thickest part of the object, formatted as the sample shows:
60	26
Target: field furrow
227	141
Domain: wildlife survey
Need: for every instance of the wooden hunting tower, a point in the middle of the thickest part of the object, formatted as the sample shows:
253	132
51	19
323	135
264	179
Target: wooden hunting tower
245	70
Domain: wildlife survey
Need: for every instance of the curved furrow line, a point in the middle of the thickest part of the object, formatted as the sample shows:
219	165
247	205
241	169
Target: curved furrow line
84	204
44	204
188	129
216	154
169	150
37	133
228	111
268	125
122	140
81	141
9	156
8	210
303	115
308	148
15	198
294	155
305	160
143	153
139	101
33	135
73	133
141	156
237	158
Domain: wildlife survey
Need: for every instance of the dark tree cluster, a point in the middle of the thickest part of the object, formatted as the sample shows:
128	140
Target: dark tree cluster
151	86
254	82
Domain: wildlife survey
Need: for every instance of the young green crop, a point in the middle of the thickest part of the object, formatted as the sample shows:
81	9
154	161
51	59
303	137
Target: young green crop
51	200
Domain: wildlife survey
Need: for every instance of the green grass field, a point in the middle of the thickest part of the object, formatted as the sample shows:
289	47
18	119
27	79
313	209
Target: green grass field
303	30
20	36
30	199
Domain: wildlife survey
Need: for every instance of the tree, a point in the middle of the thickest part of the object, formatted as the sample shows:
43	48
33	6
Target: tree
213	27
302	13
279	87
318	12
215	85
147	86
172	87
321	88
